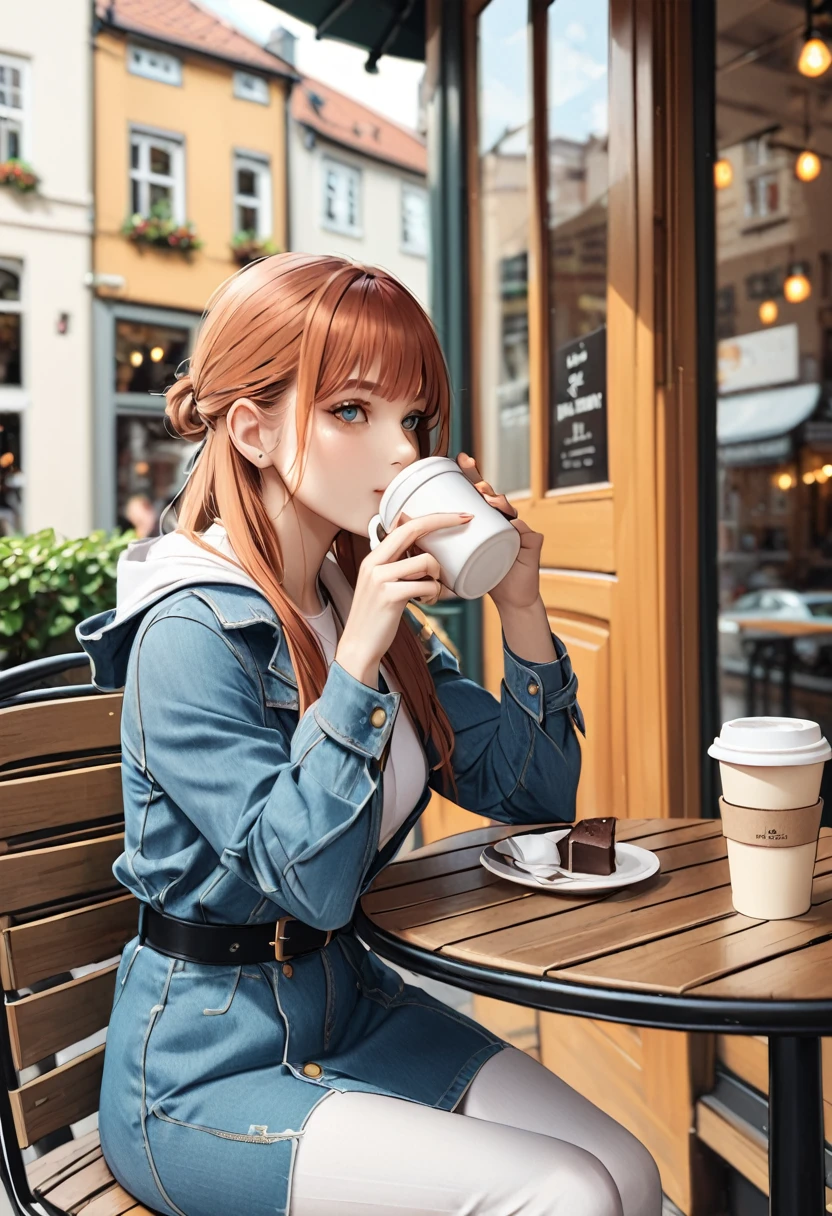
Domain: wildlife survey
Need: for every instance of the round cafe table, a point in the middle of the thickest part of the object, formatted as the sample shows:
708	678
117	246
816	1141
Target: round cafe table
669	952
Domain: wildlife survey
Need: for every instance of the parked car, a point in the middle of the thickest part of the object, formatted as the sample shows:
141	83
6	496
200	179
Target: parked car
782	605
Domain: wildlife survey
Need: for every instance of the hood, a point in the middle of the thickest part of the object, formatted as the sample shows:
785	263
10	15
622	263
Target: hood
149	570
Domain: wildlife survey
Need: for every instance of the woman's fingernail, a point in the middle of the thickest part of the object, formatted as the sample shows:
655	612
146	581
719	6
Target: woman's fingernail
465	515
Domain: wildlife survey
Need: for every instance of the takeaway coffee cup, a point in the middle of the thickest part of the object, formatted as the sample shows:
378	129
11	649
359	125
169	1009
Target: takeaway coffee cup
771	772
472	558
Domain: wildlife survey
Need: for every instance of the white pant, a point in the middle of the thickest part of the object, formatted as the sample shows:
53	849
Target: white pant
521	1143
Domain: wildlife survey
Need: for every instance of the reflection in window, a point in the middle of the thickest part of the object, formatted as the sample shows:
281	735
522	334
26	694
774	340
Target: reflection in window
578	129
774	405
147	356
504	116
150	470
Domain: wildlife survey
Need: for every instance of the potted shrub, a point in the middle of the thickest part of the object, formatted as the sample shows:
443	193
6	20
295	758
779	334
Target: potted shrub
248	247
161	231
48	584
19	175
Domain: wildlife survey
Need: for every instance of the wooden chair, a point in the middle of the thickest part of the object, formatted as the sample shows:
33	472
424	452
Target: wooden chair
61	911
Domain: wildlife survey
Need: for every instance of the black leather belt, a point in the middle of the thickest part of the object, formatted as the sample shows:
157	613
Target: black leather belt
224	944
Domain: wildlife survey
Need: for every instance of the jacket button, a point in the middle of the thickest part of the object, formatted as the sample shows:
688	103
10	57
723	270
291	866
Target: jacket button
534	688
379	716
312	1070
288	970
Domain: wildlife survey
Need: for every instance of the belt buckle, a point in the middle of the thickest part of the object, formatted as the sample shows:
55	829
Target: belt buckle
280	954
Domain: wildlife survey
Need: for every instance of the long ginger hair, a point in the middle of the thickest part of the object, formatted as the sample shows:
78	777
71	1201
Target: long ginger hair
312	322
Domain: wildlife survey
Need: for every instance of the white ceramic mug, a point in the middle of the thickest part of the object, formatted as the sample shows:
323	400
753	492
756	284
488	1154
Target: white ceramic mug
472	558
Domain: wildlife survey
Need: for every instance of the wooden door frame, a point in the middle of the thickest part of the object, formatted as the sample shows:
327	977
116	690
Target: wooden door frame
642	527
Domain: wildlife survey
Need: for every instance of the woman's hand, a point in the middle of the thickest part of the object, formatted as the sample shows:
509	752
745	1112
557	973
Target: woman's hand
521	586
382	589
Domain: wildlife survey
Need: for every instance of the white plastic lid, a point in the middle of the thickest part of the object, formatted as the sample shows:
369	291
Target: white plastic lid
415	475
770	742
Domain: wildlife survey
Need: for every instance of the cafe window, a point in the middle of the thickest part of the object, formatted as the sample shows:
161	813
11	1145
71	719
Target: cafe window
11	322
147	356
11	476
252	195
157	174
774	408
503	144
150	464
577	205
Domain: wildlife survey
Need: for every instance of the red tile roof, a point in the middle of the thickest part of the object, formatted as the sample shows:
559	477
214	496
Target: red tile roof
349	123
184	23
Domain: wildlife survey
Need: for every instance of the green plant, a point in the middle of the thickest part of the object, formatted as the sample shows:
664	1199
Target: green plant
18	174
48	585
247	247
161	230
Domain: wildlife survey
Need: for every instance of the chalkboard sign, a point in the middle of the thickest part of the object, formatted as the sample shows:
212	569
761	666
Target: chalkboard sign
578	425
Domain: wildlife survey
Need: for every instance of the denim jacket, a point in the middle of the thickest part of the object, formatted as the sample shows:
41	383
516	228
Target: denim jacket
239	811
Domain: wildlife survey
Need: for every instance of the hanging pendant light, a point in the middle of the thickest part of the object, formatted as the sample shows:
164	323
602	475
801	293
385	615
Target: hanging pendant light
807	166
723	173
797	287
768	312
815	55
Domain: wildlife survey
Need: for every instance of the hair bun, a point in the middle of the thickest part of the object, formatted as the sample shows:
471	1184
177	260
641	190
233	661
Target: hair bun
183	412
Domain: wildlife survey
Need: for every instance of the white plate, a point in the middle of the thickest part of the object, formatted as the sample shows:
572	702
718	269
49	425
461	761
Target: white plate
533	861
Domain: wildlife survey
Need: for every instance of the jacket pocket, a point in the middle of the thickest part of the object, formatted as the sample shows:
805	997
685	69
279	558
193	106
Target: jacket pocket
375	979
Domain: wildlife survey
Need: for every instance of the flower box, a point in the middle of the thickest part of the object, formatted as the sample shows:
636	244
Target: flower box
161	231
246	247
19	175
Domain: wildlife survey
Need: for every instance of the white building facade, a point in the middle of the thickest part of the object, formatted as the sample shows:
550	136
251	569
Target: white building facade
357	185
45	256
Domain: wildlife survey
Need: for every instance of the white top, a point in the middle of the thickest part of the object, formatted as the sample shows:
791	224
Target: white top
406	772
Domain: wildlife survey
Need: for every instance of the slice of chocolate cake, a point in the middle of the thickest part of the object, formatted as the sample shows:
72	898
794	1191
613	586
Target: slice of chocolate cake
590	847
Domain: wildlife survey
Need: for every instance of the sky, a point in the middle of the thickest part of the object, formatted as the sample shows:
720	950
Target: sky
577	51
393	92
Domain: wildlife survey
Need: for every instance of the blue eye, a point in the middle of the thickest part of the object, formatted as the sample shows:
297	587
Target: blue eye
414	418
340	410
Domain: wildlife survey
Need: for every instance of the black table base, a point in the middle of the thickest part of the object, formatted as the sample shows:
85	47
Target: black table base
796	1136
796	1172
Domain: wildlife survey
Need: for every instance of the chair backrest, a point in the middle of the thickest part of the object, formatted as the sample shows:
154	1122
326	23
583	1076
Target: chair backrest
61	829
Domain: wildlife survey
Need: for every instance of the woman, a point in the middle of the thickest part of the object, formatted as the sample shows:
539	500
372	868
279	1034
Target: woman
283	727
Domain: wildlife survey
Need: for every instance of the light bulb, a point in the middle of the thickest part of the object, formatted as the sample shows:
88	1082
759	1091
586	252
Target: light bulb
723	173
807	166
808	479
157	353
784	481
768	312
815	57
797	287
136	358
820	477
827	468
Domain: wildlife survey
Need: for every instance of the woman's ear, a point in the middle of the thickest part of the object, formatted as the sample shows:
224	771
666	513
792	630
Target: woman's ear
249	433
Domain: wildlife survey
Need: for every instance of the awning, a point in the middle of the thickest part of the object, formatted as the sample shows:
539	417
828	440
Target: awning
384	27
748	417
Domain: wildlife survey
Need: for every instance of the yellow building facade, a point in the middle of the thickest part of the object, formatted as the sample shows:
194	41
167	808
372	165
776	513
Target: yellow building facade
190	127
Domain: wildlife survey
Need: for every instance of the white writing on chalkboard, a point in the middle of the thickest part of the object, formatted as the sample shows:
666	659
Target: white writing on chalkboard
583	405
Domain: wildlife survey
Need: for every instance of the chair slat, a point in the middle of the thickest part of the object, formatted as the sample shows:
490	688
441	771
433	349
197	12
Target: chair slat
31	804
74	1193
51	728
48	1170
114	1202
28	879
34	951
59	1097
46	1022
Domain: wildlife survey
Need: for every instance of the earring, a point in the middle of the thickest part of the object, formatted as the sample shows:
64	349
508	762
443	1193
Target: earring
259	455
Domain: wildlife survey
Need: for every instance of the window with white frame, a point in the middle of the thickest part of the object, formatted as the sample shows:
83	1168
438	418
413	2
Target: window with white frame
12	106
249	87
155	65
252	195
342	197
157	174
415	220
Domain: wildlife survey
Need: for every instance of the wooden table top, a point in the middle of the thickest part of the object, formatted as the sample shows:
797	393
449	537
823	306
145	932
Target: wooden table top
675	934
